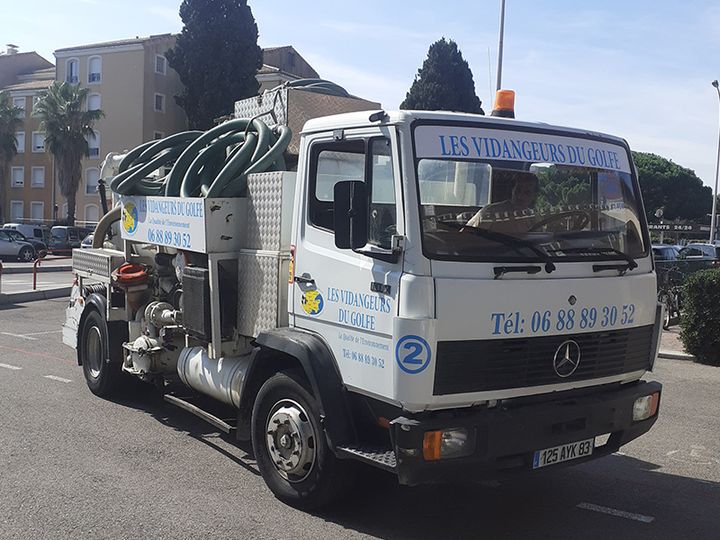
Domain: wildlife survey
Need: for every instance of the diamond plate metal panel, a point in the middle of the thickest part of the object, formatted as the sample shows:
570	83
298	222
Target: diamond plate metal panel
96	263
262	286
269	210
295	106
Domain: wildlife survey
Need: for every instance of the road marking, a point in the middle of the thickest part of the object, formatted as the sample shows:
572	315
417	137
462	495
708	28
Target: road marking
18	336
8	366
59	379
43	333
616	513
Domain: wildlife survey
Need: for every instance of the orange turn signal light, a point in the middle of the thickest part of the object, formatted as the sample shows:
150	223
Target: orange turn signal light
432	442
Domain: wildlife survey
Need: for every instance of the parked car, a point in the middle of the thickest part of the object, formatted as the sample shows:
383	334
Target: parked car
87	242
31	232
64	238
39	245
663	252
16	249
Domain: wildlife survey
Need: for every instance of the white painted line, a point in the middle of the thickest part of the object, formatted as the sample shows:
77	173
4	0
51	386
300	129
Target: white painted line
8	366
43	333
616	513
59	379
18	336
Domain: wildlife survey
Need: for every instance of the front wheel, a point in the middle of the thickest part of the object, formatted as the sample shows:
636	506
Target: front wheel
101	357
290	446
667	303
26	254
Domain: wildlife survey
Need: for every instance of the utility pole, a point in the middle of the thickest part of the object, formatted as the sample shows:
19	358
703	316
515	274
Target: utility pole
713	220
500	44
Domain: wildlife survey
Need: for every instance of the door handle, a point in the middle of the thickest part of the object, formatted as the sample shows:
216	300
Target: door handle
304	280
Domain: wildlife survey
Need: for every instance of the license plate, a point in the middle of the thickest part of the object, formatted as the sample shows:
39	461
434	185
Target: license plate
564	452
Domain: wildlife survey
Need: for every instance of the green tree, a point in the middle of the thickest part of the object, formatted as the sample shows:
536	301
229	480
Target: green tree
674	188
217	58
67	126
444	82
9	123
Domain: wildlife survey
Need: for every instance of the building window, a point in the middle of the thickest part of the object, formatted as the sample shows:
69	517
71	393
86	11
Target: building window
160	102
91	180
160	64
19	102
94	144
17	176
93	102
92	213
37	210
94	70
72	71
38	141
37	177
157	135
20	142
16	210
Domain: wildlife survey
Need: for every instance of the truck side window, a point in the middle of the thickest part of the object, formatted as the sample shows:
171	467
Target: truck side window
332	163
358	159
381	215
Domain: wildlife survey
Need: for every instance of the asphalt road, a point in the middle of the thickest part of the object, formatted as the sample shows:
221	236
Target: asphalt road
75	466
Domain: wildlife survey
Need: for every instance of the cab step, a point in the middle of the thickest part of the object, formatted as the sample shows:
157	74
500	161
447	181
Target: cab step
379	457
186	405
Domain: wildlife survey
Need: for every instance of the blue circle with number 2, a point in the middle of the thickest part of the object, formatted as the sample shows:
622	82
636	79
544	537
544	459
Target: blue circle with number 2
412	354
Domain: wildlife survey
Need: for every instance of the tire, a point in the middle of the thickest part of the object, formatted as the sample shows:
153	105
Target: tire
101	357
286	427
26	254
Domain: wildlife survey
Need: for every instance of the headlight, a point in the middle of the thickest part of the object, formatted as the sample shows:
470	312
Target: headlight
447	443
645	407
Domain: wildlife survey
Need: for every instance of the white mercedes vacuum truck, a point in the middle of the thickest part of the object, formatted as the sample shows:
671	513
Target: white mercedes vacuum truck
448	297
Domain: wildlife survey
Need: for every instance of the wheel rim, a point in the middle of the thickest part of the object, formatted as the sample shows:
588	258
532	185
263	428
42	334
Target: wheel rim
290	440
93	348
26	255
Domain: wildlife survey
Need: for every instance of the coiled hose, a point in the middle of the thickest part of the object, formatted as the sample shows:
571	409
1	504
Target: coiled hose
214	163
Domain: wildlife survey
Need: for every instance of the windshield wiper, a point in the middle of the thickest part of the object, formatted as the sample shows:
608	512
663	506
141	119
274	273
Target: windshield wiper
622	268
500	271
508	240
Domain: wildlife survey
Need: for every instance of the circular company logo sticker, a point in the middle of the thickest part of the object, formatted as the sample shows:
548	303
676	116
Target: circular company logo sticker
312	302
412	354
129	218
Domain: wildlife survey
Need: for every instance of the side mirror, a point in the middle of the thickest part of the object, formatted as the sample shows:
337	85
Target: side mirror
350	214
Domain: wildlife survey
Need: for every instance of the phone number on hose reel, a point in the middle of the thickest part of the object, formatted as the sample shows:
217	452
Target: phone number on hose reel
169	238
541	322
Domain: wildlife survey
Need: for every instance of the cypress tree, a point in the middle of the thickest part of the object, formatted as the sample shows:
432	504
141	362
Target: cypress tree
217	58
444	82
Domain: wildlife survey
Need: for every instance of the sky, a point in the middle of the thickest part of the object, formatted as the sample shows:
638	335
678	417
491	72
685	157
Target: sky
639	69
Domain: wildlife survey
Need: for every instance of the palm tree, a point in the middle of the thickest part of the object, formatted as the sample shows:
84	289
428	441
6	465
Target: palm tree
67	125
9	123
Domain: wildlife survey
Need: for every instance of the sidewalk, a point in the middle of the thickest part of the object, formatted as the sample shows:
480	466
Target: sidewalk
671	347
16	286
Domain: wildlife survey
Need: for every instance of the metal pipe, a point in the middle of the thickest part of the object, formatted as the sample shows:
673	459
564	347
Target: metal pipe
713	220
500	44
221	379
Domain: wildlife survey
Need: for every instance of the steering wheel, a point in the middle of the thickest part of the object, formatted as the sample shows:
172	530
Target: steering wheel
581	220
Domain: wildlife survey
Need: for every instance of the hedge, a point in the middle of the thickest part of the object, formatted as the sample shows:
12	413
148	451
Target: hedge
700	319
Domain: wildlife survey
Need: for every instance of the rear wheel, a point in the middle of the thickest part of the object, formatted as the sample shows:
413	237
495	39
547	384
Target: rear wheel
290	445
101	357
665	300
26	254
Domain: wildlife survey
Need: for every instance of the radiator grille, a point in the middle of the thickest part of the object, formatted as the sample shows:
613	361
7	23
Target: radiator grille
482	365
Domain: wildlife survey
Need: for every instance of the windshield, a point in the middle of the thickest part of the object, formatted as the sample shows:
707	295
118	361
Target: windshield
58	233
495	195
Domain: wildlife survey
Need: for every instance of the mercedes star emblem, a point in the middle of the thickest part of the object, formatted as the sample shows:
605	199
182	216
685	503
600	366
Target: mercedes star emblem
567	358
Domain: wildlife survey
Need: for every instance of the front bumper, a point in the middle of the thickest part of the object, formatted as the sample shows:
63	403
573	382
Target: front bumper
506	437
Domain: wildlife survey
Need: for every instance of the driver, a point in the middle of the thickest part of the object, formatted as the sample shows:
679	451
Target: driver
513	215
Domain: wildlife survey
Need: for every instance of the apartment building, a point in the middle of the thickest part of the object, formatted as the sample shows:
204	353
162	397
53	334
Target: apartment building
131	82
28	191
283	64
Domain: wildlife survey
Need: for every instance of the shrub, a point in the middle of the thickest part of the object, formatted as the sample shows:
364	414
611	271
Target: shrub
700	320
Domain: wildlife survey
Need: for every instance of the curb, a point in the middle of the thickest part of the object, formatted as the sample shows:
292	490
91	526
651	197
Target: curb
41	269
31	296
674	355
